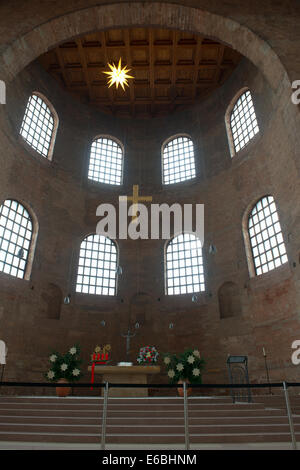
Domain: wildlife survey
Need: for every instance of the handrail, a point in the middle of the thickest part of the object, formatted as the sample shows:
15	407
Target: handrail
186	418
104	415
290	416
107	385
128	385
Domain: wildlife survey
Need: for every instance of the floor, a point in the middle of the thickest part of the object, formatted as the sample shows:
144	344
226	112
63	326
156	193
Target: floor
57	446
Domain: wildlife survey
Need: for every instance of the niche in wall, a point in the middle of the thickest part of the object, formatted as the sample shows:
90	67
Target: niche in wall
53	297
229	300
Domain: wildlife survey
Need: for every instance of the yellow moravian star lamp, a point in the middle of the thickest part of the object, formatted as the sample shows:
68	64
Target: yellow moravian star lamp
118	75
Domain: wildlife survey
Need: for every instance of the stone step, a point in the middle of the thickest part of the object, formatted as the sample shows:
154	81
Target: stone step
149	439
142	420
72	405
146	414
78	420
146	429
97	400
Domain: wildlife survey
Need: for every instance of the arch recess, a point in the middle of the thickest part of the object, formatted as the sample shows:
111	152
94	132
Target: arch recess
31	45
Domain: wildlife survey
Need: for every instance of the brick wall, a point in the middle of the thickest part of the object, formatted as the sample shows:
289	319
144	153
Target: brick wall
65	203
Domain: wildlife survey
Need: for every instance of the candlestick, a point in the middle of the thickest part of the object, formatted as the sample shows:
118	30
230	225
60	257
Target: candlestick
267	370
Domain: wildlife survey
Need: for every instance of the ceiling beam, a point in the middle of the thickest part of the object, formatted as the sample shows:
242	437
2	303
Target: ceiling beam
129	64
151	69
85	69
61	64
104	48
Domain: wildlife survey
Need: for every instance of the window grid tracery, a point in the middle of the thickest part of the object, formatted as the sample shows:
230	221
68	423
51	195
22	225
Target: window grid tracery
38	125
184	265
97	267
267	244
178	160
15	238
243	122
106	161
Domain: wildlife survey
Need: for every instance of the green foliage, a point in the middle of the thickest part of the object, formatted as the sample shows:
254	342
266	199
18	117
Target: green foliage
65	366
187	365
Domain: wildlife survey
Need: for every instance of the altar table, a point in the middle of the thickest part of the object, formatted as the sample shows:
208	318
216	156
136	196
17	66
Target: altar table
126	374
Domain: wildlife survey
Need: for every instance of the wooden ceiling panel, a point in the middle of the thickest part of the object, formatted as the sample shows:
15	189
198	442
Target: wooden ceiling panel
140	57
171	69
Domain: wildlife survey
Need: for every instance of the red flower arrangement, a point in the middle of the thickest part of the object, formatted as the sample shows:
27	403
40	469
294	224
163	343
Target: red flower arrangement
147	355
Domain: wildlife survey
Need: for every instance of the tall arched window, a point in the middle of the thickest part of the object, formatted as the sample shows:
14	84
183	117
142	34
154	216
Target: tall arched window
39	125
184	265
178	160
241	122
16	233
97	267
266	240
106	161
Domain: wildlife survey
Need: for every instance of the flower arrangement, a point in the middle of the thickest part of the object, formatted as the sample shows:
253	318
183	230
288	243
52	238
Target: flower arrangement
147	355
185	366
65	366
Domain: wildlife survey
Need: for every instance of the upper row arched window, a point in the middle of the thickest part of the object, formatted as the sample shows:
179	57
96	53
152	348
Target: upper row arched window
178	160
39	125
241	121
266	240
106	161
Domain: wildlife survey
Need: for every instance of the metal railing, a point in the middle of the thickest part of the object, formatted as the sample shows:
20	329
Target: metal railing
106	386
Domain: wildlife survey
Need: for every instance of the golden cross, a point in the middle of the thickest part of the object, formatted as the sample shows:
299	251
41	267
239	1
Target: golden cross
135	198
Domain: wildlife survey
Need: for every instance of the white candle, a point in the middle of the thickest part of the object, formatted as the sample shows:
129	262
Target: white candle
264	352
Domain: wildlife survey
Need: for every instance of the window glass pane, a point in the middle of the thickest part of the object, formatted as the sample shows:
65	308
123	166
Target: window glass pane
102	253
106	162
243	121
16	238
185	278
37	120
268	250
178	160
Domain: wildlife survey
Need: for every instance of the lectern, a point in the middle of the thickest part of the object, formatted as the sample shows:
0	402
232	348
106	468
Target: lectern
238	374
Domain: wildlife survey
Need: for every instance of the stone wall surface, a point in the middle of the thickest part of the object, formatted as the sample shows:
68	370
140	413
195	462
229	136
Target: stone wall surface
33	319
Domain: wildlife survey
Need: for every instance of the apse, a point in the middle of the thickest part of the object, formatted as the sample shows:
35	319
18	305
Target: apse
197	123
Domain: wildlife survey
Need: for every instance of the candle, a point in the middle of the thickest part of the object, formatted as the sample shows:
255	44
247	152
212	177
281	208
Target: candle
264	352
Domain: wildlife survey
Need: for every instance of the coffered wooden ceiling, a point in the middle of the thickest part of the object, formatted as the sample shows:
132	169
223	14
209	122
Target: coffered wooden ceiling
171	69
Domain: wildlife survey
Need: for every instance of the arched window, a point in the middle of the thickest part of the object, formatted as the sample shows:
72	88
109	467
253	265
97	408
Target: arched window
16	233
97	268
39	125
106	161
241	122
184	265
266	240
178	160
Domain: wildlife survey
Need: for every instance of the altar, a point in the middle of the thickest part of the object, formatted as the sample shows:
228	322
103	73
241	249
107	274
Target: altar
128	375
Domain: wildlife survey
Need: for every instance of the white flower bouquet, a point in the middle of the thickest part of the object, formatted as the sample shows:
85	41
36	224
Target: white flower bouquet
65	366
185	366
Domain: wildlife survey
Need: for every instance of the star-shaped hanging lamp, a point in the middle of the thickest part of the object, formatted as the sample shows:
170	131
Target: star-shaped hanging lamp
118	75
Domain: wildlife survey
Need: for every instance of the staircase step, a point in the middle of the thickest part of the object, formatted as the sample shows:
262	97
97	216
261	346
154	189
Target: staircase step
145	420
60	420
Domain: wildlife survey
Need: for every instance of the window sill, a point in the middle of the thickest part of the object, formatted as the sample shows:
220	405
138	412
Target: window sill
242	154
276	276
39	157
